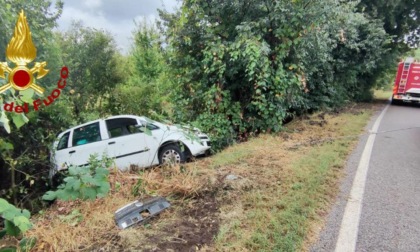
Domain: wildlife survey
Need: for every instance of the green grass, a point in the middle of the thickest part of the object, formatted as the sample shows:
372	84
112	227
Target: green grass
232	155
312	176
382	94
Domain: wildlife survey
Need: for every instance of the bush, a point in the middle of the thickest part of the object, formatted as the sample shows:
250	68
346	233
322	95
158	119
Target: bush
84	182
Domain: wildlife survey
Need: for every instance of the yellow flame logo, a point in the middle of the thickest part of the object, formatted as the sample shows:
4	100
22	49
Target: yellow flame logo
21	51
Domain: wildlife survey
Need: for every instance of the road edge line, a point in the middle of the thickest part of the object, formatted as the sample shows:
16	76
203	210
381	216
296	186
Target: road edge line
349	228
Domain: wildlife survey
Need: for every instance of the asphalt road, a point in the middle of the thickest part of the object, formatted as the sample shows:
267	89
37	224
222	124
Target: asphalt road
389	219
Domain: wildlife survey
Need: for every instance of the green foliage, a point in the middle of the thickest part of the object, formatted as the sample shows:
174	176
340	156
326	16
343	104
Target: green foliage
148	86
221	121
138	188
16	222
5	147
400	18
84	182
31	133
244	66
92	79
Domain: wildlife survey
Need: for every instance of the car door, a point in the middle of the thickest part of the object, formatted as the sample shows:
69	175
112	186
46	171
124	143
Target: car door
85	141
128	143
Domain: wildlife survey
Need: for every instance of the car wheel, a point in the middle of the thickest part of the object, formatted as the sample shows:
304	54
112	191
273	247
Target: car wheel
171	154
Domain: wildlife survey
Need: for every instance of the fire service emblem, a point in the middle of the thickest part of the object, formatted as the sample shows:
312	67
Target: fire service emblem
21	51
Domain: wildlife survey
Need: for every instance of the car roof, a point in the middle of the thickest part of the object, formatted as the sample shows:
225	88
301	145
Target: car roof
98	120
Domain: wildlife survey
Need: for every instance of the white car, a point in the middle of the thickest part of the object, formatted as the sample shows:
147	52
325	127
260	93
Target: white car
129	140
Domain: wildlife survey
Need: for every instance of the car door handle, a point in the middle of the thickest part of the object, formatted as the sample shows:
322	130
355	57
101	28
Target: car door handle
71	152
111	143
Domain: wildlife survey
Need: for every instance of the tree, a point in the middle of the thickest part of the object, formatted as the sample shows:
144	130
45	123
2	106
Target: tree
91	57
244	66
401	18
148	87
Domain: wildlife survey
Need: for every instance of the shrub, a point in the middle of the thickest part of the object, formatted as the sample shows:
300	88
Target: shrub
84	182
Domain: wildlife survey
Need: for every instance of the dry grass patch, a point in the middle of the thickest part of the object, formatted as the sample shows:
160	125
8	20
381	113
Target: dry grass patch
182	181
83	225
191	221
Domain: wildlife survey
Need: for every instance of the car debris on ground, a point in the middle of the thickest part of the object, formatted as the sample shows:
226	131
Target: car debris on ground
136	212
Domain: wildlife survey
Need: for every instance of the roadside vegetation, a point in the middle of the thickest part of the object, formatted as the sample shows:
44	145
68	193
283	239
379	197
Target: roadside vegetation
270	193
236	70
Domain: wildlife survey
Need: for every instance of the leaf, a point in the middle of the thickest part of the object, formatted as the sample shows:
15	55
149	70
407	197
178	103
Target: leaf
102	171
26	244
11	228
88	193
50	195
87	179
5	146
2	233
22	223
73	170
4	121
26	213
27	95
69	183
10	213
19	119
76	185
4	205
63	195
103	189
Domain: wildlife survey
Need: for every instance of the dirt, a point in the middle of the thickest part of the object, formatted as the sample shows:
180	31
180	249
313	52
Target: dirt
189	225
196	227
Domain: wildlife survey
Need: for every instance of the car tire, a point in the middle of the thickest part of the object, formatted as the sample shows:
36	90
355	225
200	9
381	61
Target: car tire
171	154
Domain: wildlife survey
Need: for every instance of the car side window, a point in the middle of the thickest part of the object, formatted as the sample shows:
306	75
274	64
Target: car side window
121	127
87	134
149	125
64	140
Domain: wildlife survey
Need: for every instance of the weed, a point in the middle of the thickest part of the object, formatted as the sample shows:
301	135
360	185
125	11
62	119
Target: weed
74	218
84	182
16	222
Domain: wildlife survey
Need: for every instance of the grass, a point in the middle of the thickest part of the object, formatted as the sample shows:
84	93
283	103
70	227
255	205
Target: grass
284	186
293	185
382	94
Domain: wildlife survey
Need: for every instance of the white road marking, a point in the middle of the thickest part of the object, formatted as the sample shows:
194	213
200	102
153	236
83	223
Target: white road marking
349	229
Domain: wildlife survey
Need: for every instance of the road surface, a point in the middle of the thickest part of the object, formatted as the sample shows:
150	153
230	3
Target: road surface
378	208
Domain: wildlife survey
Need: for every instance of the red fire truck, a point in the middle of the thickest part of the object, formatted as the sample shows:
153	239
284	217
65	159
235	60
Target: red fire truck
407	82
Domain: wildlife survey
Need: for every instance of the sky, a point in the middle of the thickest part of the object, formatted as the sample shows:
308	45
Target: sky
115	16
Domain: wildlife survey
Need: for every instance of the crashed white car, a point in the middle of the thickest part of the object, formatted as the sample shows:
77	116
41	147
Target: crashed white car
129	140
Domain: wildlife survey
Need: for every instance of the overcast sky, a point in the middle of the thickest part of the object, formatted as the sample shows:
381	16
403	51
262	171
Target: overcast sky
115	16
